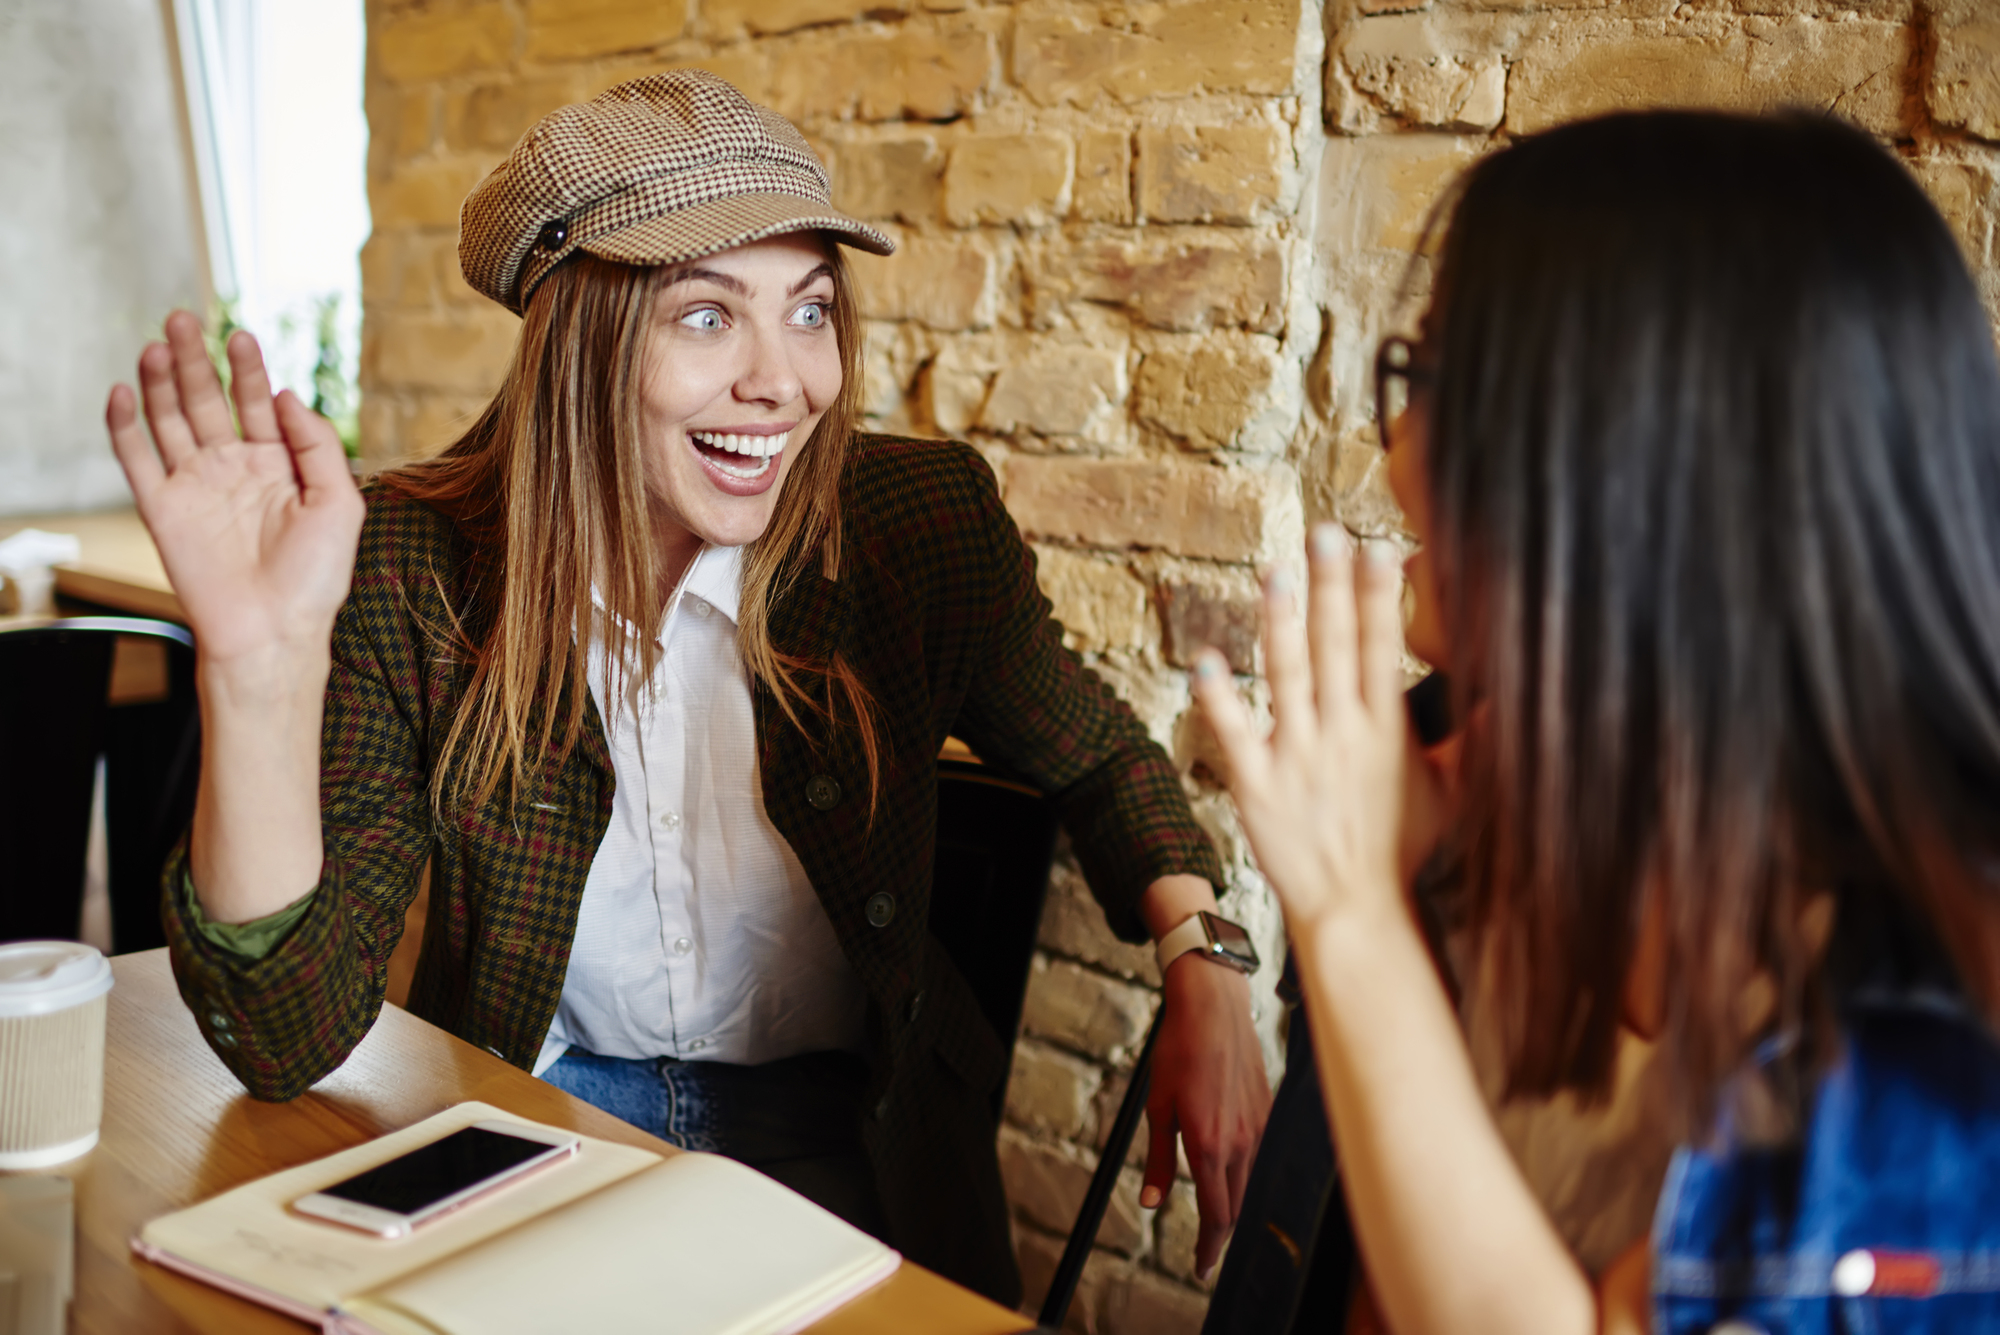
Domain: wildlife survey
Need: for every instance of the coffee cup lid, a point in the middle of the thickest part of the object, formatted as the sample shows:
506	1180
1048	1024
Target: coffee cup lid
37	977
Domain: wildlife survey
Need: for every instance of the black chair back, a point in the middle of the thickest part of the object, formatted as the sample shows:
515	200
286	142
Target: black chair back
996	837
56	720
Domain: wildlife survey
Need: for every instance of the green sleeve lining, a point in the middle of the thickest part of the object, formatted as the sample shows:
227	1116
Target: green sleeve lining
251	940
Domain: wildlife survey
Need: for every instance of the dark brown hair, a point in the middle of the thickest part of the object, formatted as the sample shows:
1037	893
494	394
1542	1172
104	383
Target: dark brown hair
1714	469
549	490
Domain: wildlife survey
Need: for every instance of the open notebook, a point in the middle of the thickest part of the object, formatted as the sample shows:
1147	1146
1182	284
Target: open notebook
617	1239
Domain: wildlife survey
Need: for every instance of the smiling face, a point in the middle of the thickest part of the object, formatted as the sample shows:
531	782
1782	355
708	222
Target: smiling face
741	363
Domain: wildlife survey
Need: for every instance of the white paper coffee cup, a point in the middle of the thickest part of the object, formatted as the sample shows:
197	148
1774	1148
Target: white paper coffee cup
52	1000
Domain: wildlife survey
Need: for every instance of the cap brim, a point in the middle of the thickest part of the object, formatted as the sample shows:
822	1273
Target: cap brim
737	220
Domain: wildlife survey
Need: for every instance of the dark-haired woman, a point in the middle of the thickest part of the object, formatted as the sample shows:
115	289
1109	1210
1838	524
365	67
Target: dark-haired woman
1703	448
651	668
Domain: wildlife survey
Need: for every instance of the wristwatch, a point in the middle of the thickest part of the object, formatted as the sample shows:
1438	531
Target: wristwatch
1215	937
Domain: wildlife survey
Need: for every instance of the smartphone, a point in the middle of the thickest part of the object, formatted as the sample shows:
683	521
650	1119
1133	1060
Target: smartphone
393	1198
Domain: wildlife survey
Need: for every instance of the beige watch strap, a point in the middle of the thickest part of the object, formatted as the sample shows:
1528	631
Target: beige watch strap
1190	935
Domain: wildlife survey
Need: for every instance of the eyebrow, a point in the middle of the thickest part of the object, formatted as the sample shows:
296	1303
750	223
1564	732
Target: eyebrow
730	283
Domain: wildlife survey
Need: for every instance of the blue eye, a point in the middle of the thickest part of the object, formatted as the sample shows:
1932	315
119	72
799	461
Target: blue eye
707	320
812	315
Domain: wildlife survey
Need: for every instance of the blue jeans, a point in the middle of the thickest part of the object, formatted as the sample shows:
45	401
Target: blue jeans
796	1120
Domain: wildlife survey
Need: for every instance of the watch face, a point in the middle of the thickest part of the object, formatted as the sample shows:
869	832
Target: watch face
1227	941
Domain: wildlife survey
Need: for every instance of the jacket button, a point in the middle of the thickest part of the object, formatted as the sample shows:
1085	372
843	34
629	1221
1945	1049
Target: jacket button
882	1108
881	908
220	1022
222	1038
822	790
916	1007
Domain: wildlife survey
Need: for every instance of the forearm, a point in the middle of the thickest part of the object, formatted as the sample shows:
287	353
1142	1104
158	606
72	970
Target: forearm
1172	900
256	843
1453	1238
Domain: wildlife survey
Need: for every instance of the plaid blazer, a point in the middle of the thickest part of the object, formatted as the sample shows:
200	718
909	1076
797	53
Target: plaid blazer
938	610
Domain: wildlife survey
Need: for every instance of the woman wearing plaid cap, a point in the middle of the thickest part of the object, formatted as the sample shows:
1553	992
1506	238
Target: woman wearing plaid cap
649	669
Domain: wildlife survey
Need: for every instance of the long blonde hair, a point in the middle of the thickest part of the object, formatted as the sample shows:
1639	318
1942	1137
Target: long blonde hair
548	489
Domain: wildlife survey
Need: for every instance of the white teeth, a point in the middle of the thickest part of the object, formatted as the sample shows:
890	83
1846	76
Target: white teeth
757	447
761	467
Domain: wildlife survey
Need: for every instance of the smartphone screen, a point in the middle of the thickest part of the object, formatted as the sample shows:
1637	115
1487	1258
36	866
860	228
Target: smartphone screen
440	1169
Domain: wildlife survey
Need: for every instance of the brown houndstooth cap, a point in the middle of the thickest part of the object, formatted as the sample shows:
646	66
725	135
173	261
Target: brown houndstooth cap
653	171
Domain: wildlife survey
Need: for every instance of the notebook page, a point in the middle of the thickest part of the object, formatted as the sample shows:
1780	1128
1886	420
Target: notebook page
700	1245
249	1236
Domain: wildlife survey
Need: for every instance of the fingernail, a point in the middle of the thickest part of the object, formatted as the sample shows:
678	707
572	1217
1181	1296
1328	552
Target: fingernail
1208	665
1281	580
1329	541
1379	552
1149	1198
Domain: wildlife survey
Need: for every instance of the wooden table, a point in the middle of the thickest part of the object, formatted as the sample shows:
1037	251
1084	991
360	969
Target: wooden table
119	568
178	1128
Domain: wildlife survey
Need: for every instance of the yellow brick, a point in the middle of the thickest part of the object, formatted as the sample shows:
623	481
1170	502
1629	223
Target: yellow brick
914	73
1423	74
467	354
439	419
428	44
1189	46
890	178
1189	282
1853	68
1211	173
1205	395
942	284
1056	389
493	116
729	18
426	194
1100	603
400	267
1008	178
581	29
1192	509
1376	192
1103	188
1965	78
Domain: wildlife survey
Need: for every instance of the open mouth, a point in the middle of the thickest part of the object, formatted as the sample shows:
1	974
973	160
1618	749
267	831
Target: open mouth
738	456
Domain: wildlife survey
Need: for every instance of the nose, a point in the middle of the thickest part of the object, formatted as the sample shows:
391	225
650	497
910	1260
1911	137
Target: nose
768	376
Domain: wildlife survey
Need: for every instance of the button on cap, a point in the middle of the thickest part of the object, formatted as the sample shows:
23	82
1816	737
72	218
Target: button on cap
822	790
881	908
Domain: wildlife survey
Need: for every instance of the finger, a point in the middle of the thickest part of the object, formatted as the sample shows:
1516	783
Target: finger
1285	662
1331	620
317	455
143	470
1159	1175
162	397
250	386
1379	591
1242	749
206	410
1212	1200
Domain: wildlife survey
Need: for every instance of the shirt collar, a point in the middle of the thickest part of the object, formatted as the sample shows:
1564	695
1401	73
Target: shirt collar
716	578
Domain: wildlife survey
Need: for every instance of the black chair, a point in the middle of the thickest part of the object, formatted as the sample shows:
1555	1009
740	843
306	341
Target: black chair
56	719
996	837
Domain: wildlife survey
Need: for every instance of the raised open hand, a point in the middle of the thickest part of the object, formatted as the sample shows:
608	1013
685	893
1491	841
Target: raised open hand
1322	797
257	529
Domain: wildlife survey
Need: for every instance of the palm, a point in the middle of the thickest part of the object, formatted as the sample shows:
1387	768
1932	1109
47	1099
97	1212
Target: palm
257	528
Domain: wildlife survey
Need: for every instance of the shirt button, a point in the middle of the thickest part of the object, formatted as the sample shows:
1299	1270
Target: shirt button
698	1045
682	945
670	820
822	790
698	607
881	908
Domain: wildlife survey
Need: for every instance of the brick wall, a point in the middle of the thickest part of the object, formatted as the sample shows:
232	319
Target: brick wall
1147	248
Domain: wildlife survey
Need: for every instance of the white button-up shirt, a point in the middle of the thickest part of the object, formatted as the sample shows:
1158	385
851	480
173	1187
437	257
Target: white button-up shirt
699	936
